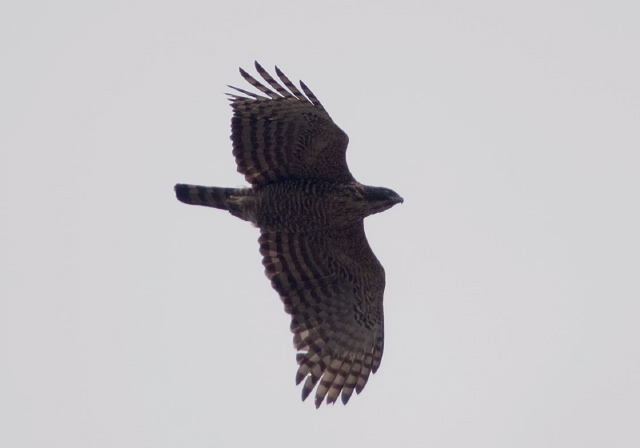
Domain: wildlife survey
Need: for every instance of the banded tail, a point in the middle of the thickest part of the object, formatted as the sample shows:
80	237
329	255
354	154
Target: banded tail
218	197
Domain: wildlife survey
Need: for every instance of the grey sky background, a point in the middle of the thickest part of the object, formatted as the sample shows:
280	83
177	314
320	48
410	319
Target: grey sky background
128	319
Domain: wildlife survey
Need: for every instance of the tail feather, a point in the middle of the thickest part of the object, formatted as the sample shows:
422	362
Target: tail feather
218	197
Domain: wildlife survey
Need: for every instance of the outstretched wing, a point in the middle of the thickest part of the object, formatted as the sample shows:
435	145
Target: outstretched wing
285	134
332	285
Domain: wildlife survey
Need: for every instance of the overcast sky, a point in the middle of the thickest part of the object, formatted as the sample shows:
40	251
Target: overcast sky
512	308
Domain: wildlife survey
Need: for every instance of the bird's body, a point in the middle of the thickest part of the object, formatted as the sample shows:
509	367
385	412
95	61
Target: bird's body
300	205
310	212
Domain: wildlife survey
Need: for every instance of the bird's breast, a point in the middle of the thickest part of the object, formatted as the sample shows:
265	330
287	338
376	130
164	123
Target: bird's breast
304	206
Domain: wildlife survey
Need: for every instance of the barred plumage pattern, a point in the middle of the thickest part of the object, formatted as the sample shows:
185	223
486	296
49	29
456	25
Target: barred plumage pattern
285	135
310	212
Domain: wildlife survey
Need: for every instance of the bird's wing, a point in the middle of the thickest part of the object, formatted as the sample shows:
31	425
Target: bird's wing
285	134
332	285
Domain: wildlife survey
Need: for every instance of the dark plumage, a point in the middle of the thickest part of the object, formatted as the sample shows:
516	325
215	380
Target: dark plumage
310	212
